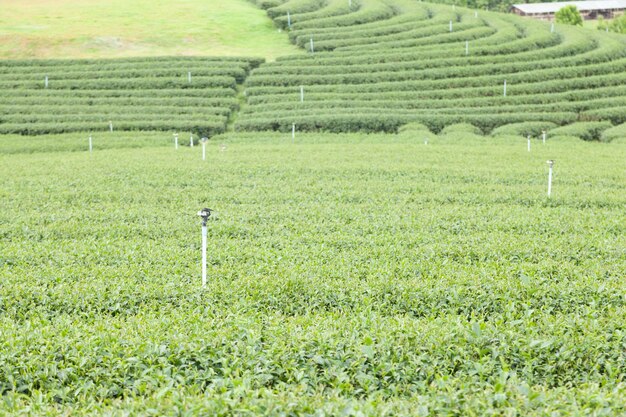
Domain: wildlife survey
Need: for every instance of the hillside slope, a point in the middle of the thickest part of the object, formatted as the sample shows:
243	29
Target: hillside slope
368	65
383	63
119	28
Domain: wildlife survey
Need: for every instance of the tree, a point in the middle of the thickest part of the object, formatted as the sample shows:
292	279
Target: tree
569	15
616	25
619	24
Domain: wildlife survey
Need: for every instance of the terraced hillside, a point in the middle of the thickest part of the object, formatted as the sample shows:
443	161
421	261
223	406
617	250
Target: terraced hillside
378	64
56	96
372	65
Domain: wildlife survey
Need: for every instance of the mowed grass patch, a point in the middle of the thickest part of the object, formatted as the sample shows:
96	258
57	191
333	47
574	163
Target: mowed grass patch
366	273
118	28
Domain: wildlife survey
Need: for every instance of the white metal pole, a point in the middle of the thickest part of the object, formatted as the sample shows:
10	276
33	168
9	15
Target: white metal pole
301	94
111	126
204	141
312	50
204	214
293	131
204	238
543	136
175	140
288	19
191	141
528	138
90	144
46	82
189	77
466	47
504	93
550	164
451	26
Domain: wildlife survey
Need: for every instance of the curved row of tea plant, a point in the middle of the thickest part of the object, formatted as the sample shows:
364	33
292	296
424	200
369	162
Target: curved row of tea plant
180	94
383	63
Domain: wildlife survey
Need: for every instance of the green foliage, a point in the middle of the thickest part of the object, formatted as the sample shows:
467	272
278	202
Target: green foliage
388	278
461	128
614	134
410	67
615	25
533	129
134	94
569	15
583	130
78	142
616	114
564	139
413	128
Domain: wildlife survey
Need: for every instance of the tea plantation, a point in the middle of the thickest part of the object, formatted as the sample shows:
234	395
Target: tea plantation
196	94
348	274
382	241
380	64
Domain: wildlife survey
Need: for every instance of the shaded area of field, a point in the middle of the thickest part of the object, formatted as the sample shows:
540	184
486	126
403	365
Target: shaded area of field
347	273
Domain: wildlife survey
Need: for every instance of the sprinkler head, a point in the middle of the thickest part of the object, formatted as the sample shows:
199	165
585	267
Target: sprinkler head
205	213
204	139
550	162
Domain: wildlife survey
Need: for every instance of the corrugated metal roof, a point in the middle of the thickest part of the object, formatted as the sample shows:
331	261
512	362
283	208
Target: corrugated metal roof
581	5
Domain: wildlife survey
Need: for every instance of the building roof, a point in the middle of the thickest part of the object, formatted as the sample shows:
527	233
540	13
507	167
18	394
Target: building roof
532	8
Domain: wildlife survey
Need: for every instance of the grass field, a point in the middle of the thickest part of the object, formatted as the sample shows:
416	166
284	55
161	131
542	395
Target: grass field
119	28
347	274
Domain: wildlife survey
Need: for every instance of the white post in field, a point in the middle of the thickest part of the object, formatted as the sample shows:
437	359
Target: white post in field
466	47
504	92
301	94
543	136
451	26
191	141
528	139
175	140
205	213
90	145
204	141
111	125
293	131
312	49
550	165
475	13
189	77
46	82
288	19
